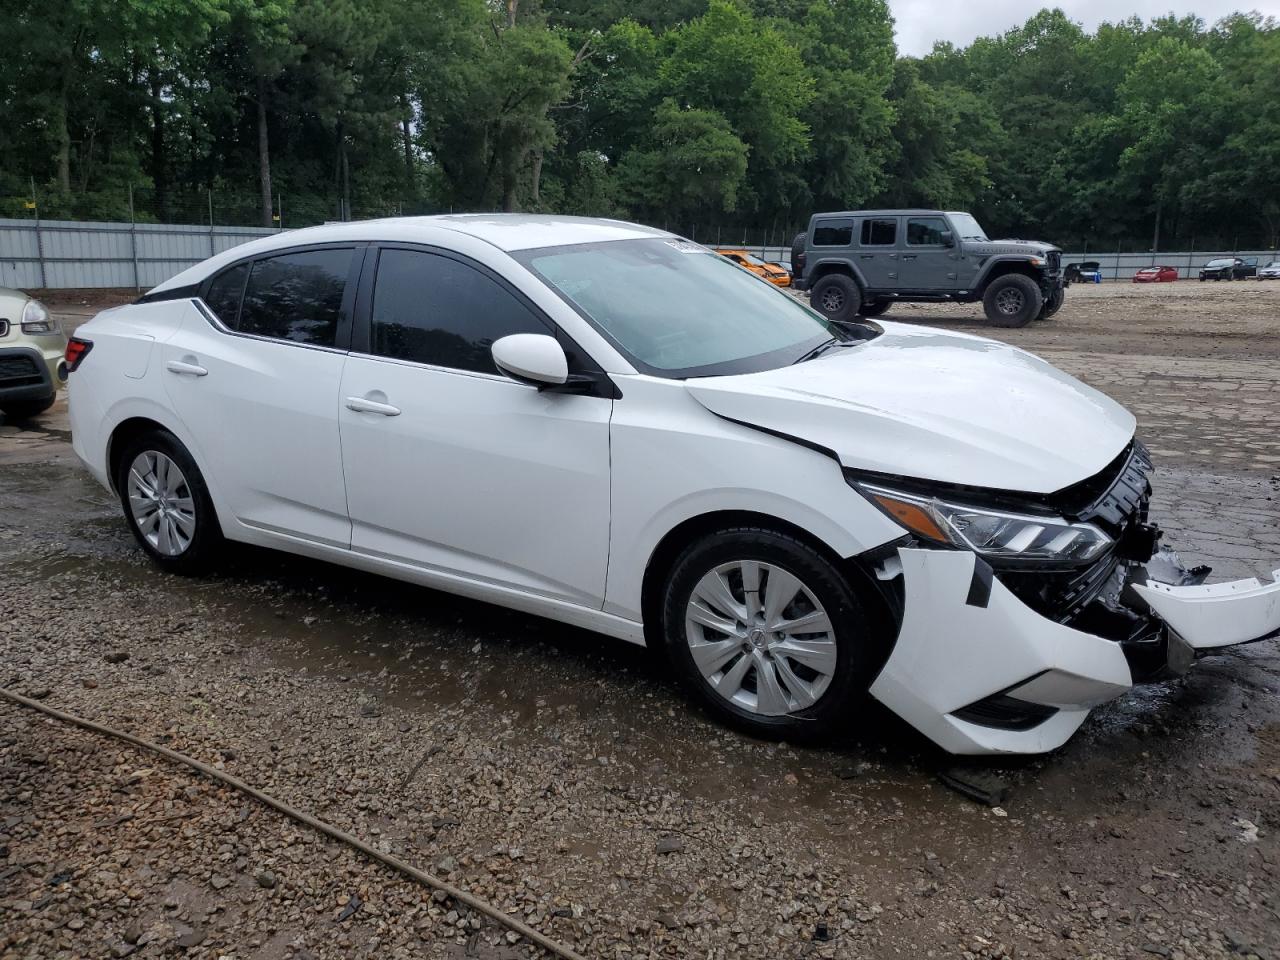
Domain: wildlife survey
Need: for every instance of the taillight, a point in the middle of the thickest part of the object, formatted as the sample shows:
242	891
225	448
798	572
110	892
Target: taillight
77	350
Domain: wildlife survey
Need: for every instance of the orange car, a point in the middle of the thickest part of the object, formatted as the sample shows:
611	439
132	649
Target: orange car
775	273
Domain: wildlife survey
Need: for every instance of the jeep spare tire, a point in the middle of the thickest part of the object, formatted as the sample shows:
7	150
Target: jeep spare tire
1013	300
836	297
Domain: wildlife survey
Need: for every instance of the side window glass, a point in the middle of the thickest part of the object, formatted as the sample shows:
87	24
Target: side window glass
437	310
925	231
297	297
879	233
225	292
833	233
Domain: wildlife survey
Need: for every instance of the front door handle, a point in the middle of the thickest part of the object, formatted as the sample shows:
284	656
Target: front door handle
908	256
186	369
361	405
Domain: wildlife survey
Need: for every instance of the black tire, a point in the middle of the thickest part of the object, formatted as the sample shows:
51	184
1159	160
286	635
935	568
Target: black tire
1053	304
1013	300
837	297
206	542
875	308
26	409
859	638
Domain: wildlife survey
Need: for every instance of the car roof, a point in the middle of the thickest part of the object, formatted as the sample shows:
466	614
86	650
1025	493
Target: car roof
506	231
884	213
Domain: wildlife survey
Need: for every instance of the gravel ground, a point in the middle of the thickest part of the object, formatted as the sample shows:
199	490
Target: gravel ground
565	778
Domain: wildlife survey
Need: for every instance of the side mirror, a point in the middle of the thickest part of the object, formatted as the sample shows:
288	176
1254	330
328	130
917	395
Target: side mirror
948	238
533	358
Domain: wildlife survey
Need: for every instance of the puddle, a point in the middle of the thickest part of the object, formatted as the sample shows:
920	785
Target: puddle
433	654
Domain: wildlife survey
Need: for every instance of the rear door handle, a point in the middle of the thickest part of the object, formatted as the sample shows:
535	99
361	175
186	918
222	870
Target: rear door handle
908	256
186	369
868	256
361	405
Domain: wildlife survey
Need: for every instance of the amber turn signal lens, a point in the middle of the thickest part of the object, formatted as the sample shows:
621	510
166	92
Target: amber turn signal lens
912	516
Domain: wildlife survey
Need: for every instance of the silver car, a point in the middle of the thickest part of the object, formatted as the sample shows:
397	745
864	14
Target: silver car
1270	272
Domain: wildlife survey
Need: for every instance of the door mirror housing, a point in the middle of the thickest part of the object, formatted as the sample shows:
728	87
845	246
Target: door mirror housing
532	358
948	238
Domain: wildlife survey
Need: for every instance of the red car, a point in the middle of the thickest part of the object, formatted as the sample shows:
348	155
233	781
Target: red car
1156	275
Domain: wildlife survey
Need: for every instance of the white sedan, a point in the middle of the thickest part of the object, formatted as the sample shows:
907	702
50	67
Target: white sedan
613	427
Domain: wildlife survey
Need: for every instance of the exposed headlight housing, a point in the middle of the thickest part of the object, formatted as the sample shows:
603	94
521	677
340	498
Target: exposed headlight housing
37	321
998	535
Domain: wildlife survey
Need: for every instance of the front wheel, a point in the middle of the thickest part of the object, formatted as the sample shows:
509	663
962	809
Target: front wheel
167	504
1013	300
836	297
1053	304
768	634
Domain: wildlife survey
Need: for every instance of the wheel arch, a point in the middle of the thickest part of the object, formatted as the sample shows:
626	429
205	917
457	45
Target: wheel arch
665	553
824	268
1002	268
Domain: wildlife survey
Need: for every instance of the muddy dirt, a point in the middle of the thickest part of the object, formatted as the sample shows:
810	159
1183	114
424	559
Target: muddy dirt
564	777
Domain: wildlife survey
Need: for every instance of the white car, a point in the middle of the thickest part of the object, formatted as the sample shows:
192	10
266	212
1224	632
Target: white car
1270	272
613	427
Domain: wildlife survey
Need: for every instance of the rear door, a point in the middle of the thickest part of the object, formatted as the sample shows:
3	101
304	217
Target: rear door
878	253
256	384
450	465
927	262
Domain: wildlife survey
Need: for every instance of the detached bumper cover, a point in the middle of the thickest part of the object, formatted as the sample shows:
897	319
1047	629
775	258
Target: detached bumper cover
978	671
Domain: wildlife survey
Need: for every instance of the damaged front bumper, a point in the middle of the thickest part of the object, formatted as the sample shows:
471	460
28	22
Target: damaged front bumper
978	670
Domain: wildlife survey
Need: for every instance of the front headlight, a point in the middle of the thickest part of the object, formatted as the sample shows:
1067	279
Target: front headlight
992	533
36	320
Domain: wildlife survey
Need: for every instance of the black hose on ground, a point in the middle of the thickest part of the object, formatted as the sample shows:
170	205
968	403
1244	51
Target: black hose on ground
480	906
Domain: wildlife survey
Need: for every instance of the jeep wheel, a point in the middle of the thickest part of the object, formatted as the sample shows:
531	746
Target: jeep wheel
875	308
1013	300
836	297
1053	304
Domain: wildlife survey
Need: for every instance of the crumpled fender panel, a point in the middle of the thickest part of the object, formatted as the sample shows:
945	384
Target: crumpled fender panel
1215	615
952	652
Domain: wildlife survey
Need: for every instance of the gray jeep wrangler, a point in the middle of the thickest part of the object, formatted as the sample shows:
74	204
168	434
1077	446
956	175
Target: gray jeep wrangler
857	263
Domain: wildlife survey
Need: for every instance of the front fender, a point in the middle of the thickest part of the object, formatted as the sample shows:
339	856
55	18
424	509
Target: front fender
984	273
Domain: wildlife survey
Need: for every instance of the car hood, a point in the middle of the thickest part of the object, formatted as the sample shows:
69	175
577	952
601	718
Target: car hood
993	248
927	404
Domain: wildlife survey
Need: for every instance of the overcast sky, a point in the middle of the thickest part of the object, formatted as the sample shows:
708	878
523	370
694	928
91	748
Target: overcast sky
920	22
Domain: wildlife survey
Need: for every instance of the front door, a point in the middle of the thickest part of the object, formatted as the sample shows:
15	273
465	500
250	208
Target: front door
254	375
452	466
928	263
877	254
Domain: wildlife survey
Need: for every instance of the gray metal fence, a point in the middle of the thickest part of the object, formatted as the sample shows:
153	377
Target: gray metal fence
66	254
1112	266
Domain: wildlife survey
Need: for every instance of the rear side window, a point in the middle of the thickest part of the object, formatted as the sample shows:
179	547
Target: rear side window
225	292
833	233
879	233
925	231
297	297
437	310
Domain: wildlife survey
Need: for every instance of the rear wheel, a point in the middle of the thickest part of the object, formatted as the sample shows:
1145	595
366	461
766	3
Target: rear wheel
26	409
875	308
836	297
167	504
1013	300
767	633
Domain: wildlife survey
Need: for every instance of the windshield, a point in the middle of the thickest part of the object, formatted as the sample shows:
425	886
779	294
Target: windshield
966	227
676	309
1219	263
755	261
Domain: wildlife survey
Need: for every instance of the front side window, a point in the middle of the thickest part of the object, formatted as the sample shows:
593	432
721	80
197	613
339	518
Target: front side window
225	292
433	309
677	310
297	297
925	231
833	233
879	232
